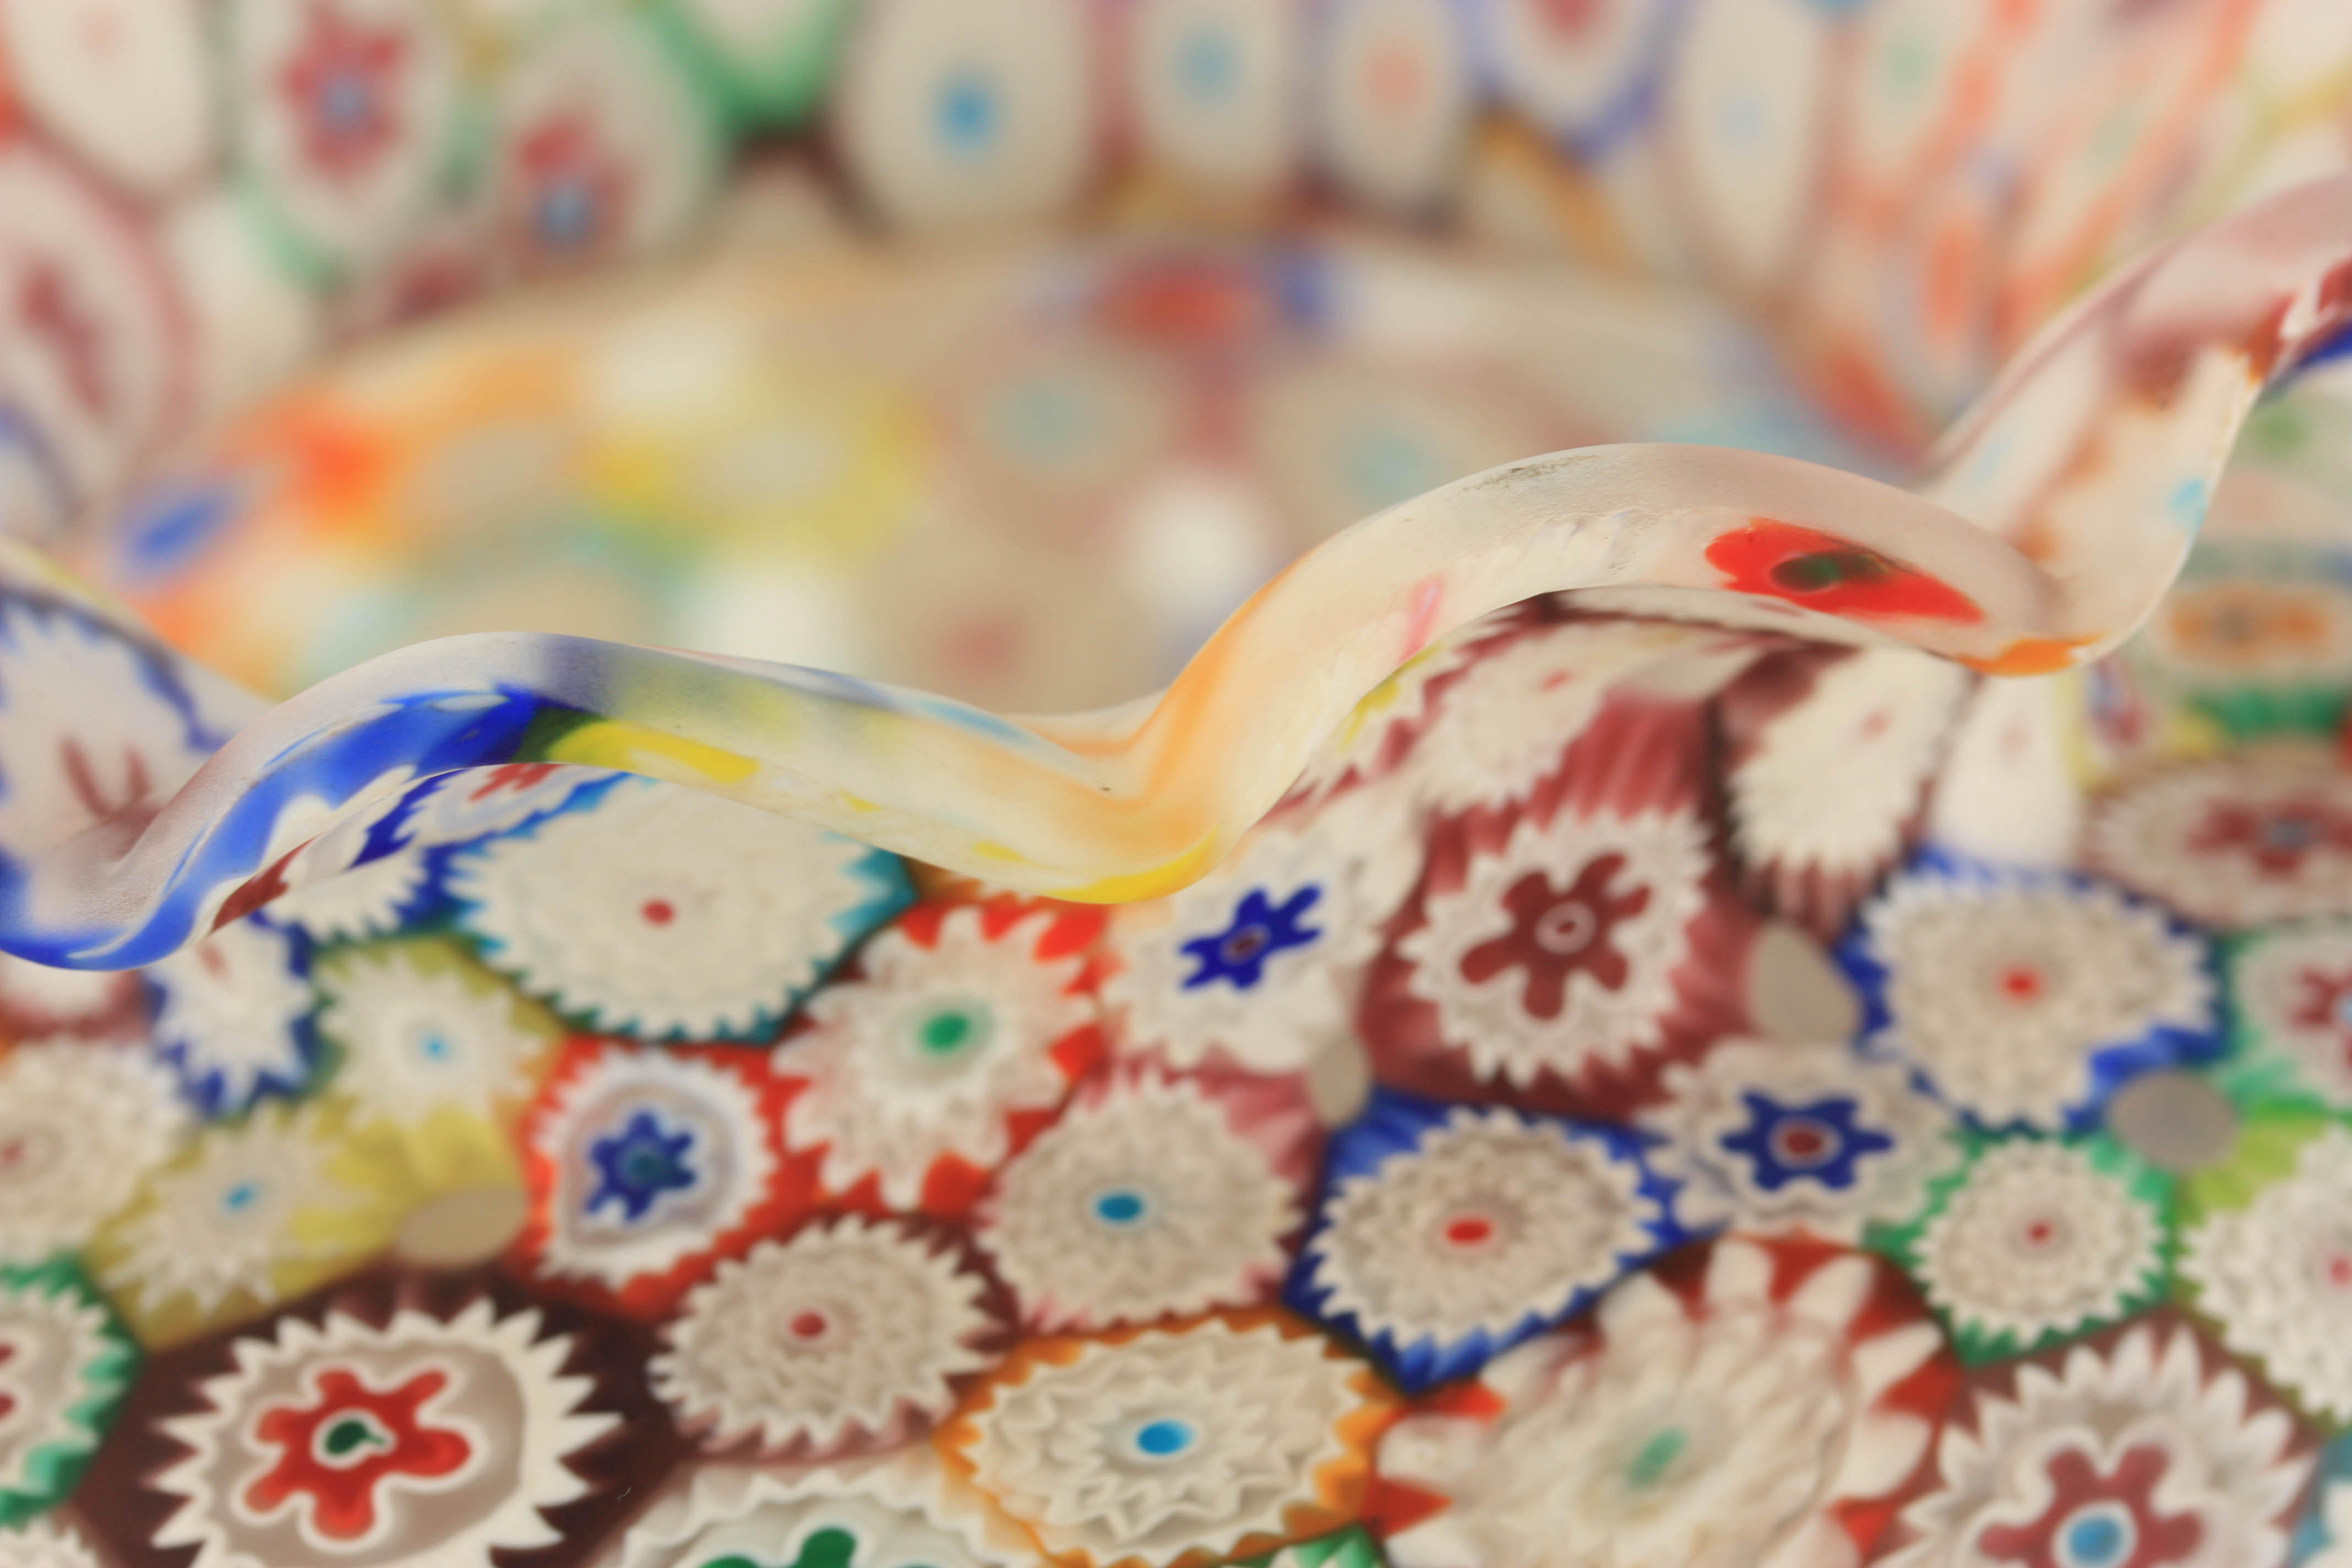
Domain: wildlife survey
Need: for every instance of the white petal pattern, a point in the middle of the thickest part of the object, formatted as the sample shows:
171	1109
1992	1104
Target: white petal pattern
925	1056
492	1388
80	1126
849	1332
667	912
1168	1443
2277	1275
1144	1203
2002	992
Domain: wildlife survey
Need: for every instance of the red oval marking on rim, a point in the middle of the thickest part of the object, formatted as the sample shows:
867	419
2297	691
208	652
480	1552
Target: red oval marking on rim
1822	572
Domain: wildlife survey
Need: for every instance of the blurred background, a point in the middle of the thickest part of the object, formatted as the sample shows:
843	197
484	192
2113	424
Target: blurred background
1003	347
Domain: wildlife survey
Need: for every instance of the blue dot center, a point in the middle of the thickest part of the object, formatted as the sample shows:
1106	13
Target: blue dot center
968	112
2290	833
566	210
1162	1437
240	1197
2095	1539
1119	1206
347	102
1208	67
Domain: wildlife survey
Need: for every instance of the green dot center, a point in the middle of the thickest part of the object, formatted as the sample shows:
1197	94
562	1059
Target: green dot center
349	1434
944	1032
1657	1456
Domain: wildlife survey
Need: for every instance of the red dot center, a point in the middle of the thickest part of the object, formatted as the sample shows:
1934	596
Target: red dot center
2040	1232
658	912
1469	1230
806	1325
2339	1271
1396	77
1568	18
2021	982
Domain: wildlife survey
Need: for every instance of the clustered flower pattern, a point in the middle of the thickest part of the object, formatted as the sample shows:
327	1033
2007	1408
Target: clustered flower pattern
2023	1001
1144	1202
1734	1418
229	1221
233	1015
847	1334
2036	1239
2234	844
2293	991
644	1164
1506	725
81	1124
912	1076
1446	1234
1251	965
1770	1138
64	1365
1559	953
420	1438
1429	1183
1815	837
671	913
2276	1274
424	1032
566	1166
1148	1446
2147	1444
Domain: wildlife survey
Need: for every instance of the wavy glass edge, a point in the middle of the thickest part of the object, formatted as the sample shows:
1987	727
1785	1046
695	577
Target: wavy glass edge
2010	555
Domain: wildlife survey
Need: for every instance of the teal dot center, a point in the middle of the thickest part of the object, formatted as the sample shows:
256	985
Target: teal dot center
1208	67
1120	1206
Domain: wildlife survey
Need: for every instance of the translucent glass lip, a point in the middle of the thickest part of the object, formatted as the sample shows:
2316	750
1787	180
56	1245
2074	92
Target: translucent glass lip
2011	554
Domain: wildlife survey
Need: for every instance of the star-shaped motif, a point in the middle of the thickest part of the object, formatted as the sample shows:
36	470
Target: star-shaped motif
1557	934
1260	929
1822	1142
636	1165
338	1450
